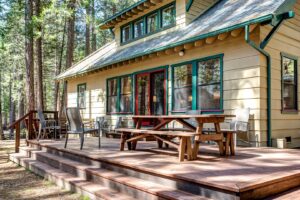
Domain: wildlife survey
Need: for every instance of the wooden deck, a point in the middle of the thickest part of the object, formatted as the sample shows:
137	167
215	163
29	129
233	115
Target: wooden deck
252	174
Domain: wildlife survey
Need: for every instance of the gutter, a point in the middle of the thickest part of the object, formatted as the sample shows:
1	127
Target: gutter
260	48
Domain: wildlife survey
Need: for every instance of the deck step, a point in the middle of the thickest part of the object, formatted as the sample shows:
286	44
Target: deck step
67	180
139	188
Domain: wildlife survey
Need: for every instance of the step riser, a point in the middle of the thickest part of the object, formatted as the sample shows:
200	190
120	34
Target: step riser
177	184
95	178
60	182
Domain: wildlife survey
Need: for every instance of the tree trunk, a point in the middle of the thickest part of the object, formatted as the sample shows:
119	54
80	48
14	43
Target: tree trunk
12	116
39	56
1	124
94	36
29	56
87	29
58	70
70	49
21	106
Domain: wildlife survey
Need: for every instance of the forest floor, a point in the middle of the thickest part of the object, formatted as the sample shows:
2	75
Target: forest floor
18	183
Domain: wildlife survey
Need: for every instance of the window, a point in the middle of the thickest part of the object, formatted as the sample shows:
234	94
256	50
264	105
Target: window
168	16
182	88
197	85
126	94
126	33
289	83
119	95
209	85
152	23
81	88
158	20
139	28
112	95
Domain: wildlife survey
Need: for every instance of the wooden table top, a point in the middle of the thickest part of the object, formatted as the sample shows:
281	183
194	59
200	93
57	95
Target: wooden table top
180	116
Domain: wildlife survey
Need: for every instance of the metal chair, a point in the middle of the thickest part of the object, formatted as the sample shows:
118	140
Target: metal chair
76	126
109	130
45	125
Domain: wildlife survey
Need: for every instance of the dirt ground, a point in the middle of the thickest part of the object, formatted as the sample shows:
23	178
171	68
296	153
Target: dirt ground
19	183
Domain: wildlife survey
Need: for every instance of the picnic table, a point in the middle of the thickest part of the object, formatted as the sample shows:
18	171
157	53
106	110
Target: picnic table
189	131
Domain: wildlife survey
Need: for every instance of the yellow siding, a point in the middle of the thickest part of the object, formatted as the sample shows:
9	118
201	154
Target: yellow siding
243	82
287	40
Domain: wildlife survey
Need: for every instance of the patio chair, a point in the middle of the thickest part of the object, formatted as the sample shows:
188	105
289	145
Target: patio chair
46	125
109	130
76	126
99	124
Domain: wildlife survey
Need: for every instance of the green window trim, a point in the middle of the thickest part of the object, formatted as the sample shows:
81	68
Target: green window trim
296	107
195	84
118	108
78	95
159	26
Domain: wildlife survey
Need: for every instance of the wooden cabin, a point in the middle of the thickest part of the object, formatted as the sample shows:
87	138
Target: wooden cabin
170	56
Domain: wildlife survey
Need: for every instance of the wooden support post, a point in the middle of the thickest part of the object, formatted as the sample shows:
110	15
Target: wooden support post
17	138
182	148
30	127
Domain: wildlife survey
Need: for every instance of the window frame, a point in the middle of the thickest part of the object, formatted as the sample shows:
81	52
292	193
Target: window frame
79	85
118	102
295	58
195	84
161	16
145	18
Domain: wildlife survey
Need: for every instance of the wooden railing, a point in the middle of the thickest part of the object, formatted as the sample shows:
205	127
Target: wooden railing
30	116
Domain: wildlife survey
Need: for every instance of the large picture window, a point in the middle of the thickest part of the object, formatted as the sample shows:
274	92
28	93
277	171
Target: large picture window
119	95
157	20
81	100
289	83
197	85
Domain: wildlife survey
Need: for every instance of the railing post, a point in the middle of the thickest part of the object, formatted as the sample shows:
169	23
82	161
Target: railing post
17	138
30	127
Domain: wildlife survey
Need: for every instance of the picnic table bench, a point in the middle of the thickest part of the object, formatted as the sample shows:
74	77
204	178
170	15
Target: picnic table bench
184	146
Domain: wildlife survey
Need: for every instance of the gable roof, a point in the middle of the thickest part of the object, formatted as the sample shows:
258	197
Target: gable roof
224	16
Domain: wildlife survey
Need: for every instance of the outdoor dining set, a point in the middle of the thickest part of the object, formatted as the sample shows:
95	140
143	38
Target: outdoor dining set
183	132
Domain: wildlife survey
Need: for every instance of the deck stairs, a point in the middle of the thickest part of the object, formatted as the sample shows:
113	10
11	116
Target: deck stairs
102	180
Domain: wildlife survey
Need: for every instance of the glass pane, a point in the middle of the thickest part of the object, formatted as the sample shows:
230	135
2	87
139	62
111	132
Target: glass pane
126	85
139	28
289	84
125	103
125	33
157	91
143	95
168	16
112	102
209	97
81	96
112	87
183	76
152	23
182	99
209	71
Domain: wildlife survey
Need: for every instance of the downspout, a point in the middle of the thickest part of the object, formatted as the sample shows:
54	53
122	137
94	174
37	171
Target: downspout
260	49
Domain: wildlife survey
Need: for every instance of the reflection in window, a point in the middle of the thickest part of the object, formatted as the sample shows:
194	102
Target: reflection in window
289	84
139	28
168	16
126	33
112	96
152	23
81	95
125	96
182	88
209	94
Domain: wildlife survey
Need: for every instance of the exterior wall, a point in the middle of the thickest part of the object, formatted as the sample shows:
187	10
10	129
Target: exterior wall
286	40
244	82
198	7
